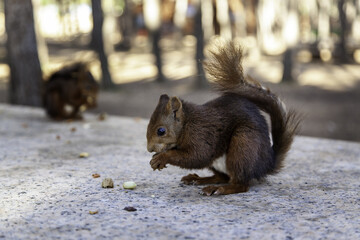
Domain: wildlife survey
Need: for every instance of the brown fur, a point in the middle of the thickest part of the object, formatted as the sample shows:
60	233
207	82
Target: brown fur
73	86
232	125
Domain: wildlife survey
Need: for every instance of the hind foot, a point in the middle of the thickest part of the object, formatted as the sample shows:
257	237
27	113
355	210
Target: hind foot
194	179
224	190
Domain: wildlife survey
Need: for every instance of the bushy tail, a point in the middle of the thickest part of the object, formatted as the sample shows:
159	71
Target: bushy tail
226	74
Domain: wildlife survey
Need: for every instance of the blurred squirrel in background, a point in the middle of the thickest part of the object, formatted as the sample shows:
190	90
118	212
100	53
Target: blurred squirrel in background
69	91
227	135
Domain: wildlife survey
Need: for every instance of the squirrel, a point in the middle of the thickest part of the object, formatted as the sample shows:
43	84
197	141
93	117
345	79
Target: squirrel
227	135
69	91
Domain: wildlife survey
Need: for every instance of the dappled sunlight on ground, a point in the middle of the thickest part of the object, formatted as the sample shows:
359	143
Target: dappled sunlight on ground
325	76
135	65
330	77
132	67
179	63
267	71
4	72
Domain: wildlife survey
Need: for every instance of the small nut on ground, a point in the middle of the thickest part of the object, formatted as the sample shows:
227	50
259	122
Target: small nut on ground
94	212
96	175
107	183
84	155
129	185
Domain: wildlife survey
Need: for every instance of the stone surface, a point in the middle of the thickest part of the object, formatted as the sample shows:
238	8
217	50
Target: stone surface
48	192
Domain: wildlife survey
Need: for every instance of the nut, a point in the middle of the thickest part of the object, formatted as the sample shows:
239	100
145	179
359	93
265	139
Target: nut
107	183
96	175
129	185
84	155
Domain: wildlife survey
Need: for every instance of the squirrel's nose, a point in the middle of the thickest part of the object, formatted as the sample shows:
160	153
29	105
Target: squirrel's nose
150	148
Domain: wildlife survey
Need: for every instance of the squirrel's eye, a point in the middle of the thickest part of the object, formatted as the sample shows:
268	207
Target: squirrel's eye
161	131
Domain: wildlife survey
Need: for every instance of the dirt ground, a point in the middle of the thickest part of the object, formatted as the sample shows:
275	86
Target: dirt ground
330	107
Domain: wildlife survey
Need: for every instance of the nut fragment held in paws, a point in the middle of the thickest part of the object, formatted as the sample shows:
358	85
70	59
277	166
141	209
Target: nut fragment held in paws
129	185
107	183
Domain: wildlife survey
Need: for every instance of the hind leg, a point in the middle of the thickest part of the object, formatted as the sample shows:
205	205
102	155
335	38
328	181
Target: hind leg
241	162
217	178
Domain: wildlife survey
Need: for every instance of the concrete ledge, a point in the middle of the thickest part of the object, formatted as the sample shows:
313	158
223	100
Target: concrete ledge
47	191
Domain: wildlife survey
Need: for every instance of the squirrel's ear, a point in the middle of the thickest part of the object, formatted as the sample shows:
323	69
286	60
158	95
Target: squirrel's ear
164	98
176	103
175	106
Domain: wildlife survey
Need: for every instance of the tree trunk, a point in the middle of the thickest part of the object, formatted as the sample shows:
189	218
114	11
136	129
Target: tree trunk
126	26
201	81
250	16
343	32
288	66
291	31
23	59
156	35
152	17
97	43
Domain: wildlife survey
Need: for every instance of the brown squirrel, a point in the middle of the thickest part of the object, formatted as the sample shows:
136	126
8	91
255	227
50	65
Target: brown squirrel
68	91
227	135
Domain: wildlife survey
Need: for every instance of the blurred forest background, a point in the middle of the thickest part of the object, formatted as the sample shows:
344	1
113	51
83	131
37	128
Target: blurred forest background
306	51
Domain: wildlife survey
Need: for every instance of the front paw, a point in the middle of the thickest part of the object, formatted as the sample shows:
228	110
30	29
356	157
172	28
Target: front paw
157	162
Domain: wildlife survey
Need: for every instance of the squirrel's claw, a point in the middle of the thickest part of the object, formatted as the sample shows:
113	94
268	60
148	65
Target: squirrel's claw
157	163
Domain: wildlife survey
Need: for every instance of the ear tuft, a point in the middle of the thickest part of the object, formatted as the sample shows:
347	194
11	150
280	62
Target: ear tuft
164	98
175	104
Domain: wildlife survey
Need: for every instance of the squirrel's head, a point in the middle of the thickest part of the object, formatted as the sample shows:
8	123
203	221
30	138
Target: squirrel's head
165	124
